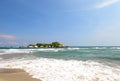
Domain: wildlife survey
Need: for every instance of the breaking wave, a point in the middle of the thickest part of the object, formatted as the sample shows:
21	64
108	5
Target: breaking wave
19	51
65	70
11	51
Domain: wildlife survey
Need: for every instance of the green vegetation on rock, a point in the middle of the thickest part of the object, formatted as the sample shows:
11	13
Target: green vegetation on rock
45	45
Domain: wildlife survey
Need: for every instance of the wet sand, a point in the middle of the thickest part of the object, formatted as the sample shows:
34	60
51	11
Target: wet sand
15	75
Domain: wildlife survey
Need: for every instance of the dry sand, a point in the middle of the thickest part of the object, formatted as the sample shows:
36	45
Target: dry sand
15	75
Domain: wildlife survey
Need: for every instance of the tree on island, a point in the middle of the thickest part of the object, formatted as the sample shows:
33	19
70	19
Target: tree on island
56	44
45	45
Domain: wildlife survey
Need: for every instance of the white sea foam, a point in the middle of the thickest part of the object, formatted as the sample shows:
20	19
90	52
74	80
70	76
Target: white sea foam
19	51
48	49
115	48
99	47
11	51
63	70
73	48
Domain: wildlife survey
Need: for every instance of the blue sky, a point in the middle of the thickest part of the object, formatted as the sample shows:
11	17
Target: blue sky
71	22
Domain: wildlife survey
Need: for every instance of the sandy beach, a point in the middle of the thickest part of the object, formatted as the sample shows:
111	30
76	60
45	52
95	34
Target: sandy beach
15	75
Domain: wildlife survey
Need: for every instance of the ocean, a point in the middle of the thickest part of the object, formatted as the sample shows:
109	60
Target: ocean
77	63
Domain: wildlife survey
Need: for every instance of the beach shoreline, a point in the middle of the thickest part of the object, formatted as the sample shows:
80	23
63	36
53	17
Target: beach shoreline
8	74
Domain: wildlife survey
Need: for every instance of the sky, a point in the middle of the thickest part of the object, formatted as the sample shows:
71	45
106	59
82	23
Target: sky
71	22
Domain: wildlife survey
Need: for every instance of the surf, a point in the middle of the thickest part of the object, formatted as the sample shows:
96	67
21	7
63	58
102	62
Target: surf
65	70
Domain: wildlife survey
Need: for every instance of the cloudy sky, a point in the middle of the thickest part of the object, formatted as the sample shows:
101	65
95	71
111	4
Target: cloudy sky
71	22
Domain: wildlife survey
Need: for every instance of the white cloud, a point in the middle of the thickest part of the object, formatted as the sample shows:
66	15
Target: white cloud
106	3
8	43
8	37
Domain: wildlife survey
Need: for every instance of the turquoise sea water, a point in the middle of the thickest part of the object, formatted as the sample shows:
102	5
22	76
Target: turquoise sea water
77	63
83	53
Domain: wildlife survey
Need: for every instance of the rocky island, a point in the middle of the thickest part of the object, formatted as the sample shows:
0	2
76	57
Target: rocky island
46	45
